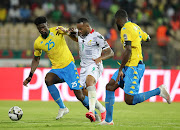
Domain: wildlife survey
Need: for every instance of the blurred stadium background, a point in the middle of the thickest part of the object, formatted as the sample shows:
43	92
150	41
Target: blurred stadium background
160	19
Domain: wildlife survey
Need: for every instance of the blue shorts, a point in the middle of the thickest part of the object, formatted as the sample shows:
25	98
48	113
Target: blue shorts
69	75
132	78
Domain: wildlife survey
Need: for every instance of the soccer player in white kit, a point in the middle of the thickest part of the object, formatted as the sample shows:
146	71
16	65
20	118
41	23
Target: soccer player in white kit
92	50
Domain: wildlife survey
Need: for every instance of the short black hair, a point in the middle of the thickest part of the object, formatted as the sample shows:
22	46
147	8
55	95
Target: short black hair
82	20
40	20
121	14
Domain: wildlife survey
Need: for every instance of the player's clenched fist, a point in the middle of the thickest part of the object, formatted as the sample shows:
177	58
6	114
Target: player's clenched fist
26	81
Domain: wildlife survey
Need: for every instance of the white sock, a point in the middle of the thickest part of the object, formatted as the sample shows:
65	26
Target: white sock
92	98
100	107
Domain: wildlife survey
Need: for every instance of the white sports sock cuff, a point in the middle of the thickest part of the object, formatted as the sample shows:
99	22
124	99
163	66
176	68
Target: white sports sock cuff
91	88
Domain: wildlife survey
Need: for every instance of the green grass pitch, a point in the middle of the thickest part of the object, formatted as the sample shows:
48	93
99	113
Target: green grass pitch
41	115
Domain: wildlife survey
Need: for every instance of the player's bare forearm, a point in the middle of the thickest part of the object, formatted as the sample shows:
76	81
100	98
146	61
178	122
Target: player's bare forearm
107	53
35	63
73	37
126	55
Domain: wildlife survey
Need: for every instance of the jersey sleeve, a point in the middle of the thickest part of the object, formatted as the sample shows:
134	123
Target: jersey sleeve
144	36
126	36
37	51
102	42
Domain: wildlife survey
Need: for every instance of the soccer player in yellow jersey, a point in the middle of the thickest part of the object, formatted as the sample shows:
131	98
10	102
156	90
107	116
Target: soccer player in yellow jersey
131	70
63	67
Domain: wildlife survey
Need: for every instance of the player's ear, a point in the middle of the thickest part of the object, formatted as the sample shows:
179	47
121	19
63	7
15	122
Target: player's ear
48	25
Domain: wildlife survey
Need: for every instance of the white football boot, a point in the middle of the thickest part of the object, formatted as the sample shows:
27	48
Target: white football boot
164	94
62	112
106	123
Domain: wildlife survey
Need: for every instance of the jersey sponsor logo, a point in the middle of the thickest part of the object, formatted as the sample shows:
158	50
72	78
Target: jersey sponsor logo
50	44
74	84
125	37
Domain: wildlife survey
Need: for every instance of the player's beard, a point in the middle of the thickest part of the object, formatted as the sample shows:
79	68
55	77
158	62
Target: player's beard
119	27
44	35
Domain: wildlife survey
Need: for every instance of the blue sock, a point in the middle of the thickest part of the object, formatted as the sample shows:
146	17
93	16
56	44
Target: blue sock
109	102
56	96
85	102
141	97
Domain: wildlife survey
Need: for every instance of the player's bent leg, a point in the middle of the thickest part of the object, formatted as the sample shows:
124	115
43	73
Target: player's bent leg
140	97
85	92
50	80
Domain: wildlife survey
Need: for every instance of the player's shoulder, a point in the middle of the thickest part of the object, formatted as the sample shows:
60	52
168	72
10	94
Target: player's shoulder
38	39
98	35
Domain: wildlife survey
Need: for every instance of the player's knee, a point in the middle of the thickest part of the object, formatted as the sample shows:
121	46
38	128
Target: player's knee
80	97
128	101
48	81
109	87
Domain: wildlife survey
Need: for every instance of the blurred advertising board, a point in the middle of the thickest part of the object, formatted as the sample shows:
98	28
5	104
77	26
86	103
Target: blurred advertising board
11	85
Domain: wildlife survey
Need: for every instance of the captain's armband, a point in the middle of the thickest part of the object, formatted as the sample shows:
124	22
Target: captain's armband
127	43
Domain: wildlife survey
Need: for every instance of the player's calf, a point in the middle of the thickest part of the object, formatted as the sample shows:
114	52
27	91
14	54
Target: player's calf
129	99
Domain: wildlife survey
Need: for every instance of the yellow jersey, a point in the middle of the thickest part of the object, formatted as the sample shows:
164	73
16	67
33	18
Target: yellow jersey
56	48
132	32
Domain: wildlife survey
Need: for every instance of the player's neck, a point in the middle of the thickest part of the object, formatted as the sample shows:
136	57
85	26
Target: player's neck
124	22
45	36
90	30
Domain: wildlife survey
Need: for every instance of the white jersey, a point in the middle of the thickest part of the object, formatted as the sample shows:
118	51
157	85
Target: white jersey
90	47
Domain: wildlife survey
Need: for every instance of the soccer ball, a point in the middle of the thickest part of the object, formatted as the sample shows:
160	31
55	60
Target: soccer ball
15	113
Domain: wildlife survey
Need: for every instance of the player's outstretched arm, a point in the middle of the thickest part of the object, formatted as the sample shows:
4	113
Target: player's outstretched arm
34	65
126	54
106	54
70	32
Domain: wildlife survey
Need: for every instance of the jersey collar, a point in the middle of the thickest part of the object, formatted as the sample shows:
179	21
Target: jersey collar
127	22
92	31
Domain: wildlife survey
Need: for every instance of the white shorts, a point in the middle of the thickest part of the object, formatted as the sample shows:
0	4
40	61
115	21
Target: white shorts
93	70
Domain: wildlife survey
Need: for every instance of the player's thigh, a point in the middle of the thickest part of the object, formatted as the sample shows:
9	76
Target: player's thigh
52	78
83	77
131	81
71	77
112	86
112	82
93	72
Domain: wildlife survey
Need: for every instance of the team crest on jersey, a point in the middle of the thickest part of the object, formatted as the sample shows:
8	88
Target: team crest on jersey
51	33
89	43
125	37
